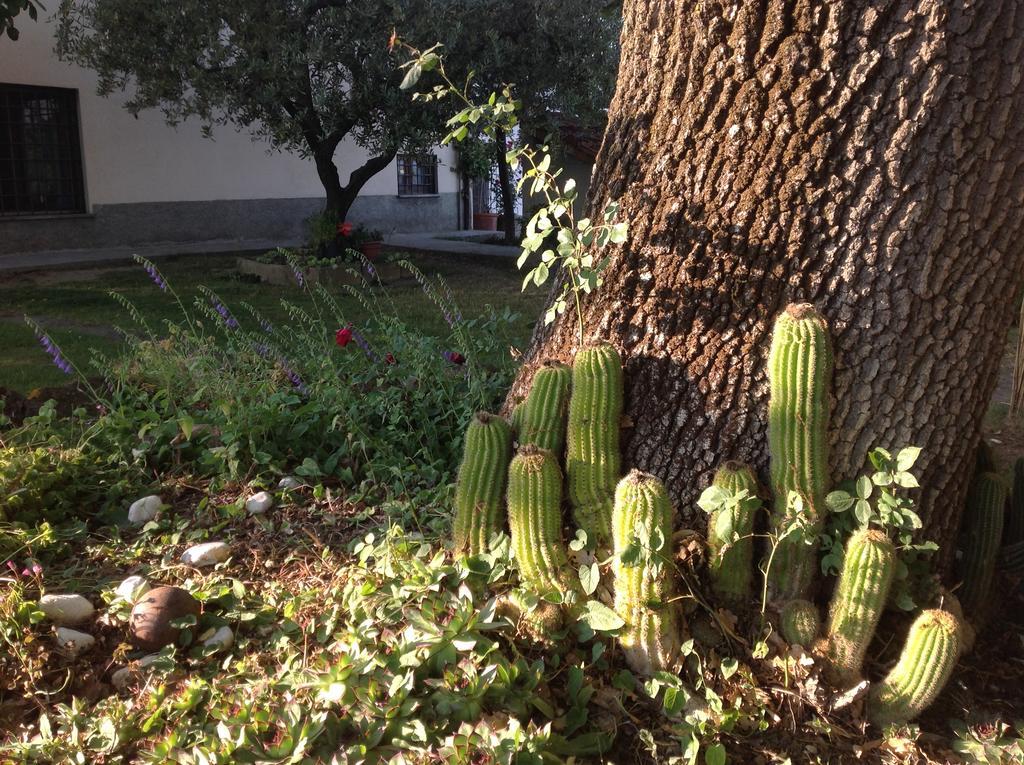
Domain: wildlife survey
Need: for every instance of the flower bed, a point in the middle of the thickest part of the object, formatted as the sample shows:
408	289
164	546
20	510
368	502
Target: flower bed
341	272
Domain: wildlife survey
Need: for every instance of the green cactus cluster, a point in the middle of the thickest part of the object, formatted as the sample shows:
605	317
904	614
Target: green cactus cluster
1011	559
544	412
480	490
800	622
800	375
730	535
642	525
982	535
929	655
593	464
535	519
860	597
1014	531
537	621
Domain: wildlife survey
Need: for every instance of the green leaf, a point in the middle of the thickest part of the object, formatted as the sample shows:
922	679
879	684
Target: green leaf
907	456
187	424
729	667
590	577
839	501
712	498
600	618
864	487
907	480
412	76
715	755
882	478
862	509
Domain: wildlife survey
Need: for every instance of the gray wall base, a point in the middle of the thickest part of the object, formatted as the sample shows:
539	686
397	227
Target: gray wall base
125	225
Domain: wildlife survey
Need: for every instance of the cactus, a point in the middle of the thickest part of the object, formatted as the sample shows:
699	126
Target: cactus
800	373
592	459
860	597
545	409
800	622
537	621
1015	511
480	490
984	458
730	535
1011	559
515	419
925	665
535	517
644	575
982	533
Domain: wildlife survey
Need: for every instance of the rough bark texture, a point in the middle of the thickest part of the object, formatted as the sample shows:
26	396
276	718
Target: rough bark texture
864	156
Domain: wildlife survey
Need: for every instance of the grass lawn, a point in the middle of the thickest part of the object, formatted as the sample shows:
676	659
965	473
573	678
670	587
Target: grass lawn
74	306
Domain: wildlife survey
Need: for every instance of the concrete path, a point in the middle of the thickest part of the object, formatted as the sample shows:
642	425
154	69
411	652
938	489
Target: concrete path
432	242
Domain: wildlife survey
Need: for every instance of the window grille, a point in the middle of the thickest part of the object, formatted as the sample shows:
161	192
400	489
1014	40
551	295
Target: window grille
417	175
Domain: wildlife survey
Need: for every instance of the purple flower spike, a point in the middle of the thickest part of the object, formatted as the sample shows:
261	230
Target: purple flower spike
155	276
51	348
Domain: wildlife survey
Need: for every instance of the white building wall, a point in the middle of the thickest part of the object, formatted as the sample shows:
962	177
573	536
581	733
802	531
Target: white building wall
130	160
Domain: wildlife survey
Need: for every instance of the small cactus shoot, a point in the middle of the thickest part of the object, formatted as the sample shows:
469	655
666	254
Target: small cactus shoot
730	534
860	597
535	518
480	490
592	459
981	535
800	377
800	622
644	573
922	671
1014	531
544	411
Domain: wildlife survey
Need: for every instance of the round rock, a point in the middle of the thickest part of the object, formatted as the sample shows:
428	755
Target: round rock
144	510
153	613
289	482
206	554
221	639
132	588
259	503
65	608
73	641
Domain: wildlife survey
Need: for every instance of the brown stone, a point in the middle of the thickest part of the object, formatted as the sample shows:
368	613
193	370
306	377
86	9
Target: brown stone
153	613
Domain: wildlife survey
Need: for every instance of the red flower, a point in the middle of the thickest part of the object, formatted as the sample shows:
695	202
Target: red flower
455	357
344	229
390	359
343	336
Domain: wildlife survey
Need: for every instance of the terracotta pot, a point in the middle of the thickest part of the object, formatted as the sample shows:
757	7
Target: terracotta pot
370	249
485	221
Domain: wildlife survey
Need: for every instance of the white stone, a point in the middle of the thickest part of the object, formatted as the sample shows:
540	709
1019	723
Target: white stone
149	659
144	510
206	554
73	641
125	675
259	503
222	638
66	609
289	482
132	588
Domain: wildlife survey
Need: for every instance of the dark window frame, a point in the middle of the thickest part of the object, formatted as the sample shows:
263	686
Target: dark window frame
417	175
41	168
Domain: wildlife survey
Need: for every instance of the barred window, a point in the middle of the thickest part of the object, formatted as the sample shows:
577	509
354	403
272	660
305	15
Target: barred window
417	174
40	152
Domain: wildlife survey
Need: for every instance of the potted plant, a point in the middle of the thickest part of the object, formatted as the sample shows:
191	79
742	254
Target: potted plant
485	221
367	241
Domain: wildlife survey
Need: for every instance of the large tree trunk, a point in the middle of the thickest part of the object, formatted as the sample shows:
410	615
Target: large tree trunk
864	156
339	199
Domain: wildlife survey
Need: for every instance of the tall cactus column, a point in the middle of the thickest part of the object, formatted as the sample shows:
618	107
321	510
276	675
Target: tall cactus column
543	418
800	376
730	535
982	534
535	517
922	671
868	569
593	463
480	490
644	573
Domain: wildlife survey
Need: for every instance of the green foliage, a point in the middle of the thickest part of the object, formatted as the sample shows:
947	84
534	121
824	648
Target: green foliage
644	574
732	502
800	376
553	231
981	535
480	492
9	10
593	463
800	622
544	413
858	602
924	666
535	518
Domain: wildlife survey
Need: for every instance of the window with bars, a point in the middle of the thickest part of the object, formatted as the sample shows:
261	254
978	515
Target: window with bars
40	152
417	175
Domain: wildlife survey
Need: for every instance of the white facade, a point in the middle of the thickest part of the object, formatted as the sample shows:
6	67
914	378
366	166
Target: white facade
130	162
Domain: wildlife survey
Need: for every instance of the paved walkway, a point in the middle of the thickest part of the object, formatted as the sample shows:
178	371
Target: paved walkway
439	242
